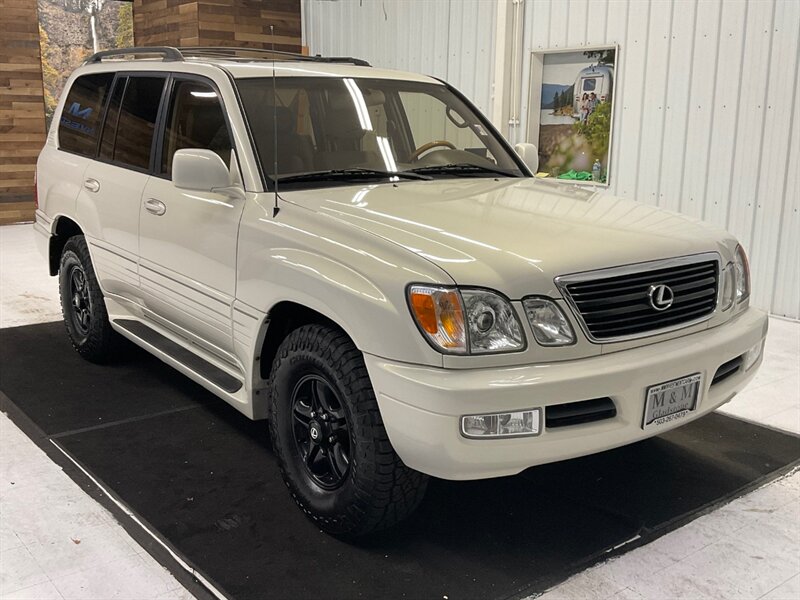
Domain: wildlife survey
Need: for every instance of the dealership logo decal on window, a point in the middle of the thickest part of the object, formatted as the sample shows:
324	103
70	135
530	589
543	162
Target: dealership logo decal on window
75	110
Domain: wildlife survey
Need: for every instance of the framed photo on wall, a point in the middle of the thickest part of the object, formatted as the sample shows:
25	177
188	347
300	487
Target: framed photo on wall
571	111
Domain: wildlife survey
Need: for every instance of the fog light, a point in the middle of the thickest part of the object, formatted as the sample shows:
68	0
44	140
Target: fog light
500	425
751	356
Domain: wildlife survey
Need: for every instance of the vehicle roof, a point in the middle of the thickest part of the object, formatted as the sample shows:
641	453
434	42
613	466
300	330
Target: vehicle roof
243	69
250	68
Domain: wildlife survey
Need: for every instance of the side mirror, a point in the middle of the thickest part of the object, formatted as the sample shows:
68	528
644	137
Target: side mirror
200	170
529	154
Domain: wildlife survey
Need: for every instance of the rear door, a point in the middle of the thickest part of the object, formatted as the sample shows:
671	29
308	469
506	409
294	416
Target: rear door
66	156
108	204
187	238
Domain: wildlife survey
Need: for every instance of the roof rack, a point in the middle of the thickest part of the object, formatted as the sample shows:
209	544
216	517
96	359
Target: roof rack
267	54
169	53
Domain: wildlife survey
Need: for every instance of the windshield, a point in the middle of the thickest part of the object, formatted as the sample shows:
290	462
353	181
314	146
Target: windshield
336	130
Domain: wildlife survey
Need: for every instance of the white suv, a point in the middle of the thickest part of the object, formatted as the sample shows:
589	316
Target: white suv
359	257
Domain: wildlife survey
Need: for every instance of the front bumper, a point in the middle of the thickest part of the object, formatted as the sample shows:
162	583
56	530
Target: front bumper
421	406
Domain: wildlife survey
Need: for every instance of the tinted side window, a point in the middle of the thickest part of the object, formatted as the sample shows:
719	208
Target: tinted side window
195	120
80	120
137	121
112	117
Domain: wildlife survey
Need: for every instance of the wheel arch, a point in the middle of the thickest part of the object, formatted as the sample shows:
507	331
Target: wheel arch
283	318
63	228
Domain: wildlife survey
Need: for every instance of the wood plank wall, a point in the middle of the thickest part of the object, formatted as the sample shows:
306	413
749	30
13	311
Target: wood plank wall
242	23
22	122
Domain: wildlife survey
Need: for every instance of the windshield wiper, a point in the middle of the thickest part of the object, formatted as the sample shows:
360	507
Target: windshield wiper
354	173
461	169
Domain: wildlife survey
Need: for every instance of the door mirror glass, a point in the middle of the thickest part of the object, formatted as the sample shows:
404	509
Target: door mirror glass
529	155
200	170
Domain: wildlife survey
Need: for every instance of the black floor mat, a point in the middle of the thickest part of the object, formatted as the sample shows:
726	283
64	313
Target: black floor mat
204	478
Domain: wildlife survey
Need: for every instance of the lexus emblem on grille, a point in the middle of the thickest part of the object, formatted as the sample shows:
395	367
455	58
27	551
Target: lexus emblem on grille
661	297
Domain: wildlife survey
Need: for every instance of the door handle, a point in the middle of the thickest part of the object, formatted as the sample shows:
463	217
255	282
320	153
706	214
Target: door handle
155	207
92	185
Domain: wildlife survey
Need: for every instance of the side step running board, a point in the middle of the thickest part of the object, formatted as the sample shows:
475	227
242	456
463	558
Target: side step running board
197	364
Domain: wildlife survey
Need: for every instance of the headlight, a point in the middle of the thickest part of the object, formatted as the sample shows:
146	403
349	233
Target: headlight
492	322
742	268
550	325
467	321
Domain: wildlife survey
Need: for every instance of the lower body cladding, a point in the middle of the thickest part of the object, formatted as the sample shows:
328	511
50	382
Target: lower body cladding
423	407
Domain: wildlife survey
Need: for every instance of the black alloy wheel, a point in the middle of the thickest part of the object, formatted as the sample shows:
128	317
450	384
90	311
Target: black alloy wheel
321	431
328	435
81	313
82	303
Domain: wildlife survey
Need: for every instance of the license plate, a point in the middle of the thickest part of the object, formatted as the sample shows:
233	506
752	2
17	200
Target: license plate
672	400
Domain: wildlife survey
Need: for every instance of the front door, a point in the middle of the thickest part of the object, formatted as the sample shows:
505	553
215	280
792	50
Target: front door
187	239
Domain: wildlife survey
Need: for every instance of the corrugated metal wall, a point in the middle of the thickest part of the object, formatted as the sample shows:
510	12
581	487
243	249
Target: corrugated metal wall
707	94
449	39
705	119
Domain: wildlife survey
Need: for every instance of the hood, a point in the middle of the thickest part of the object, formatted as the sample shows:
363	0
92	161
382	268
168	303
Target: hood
515	235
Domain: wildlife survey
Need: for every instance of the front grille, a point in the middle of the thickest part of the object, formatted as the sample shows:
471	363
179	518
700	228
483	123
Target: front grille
615	304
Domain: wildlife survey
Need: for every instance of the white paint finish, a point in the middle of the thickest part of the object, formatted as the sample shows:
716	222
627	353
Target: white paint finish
653	101
726	108
629	103
778	117
449	39
578	22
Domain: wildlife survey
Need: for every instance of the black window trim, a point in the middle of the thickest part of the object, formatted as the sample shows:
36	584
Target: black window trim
106	105
165	75
164	112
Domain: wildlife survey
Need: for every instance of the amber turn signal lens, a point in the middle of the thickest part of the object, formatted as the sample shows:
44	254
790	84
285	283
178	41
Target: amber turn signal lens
439	312
424	311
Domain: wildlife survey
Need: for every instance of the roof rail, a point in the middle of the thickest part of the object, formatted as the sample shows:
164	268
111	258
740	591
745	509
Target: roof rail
168	53
238	52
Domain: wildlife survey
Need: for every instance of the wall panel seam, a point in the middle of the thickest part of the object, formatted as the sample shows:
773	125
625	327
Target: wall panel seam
785	187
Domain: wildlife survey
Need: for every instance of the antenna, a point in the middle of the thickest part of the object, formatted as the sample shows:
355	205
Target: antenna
276	208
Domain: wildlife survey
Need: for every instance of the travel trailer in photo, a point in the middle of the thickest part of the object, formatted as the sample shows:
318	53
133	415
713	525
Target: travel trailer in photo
595	78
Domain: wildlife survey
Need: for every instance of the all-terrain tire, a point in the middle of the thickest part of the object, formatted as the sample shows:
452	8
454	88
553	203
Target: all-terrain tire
377	490
82	303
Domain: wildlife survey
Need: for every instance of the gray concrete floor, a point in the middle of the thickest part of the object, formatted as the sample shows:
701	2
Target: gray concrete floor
57	542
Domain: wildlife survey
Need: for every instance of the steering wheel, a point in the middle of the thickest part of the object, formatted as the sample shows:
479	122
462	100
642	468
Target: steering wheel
429	146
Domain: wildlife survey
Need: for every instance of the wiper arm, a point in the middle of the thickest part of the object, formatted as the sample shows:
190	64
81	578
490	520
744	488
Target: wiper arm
465	168
354	173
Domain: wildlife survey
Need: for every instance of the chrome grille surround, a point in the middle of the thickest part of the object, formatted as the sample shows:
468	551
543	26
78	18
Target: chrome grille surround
590	294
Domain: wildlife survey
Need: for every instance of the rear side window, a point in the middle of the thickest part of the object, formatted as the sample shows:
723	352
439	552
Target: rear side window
136	123
80	121
195	120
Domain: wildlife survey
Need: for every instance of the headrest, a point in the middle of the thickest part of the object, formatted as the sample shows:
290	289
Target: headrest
285	119
374	97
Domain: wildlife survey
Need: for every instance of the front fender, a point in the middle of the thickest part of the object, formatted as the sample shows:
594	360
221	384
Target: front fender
354	278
